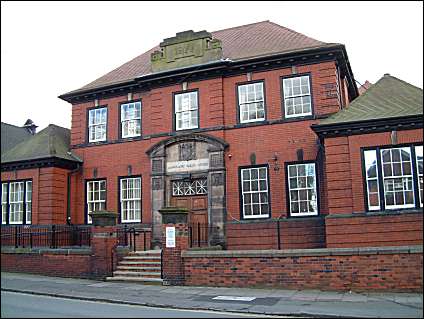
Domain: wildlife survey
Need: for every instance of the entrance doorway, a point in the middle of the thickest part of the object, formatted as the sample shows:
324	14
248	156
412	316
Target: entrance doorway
192	194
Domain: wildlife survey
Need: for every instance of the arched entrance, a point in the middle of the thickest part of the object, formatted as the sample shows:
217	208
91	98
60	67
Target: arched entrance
188	171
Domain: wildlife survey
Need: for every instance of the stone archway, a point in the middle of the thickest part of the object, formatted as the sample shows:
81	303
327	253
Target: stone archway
192	154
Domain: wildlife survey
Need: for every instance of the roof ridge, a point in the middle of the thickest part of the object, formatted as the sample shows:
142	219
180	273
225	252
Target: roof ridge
12	125
241	26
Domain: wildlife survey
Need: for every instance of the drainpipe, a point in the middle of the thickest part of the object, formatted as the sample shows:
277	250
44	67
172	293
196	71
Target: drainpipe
68	206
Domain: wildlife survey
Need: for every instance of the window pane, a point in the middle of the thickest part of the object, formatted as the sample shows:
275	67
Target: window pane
255	192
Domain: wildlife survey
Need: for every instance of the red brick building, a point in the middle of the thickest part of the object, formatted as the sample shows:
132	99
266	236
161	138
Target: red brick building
243	127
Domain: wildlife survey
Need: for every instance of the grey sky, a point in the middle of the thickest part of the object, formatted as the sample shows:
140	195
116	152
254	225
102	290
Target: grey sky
50	48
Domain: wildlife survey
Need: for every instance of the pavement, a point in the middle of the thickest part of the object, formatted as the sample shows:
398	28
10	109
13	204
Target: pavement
298	303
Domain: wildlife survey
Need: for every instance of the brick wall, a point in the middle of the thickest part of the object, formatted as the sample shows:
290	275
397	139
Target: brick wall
49	262
294	233
388	269
386	229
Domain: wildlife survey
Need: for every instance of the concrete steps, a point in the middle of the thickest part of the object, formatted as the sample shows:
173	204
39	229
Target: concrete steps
139	266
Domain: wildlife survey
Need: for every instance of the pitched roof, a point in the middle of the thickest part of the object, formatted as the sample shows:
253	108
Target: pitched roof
390	97
53	141
12	135
238	43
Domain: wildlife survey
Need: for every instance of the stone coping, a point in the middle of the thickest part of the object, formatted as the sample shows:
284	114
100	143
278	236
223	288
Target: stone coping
306	252
50	251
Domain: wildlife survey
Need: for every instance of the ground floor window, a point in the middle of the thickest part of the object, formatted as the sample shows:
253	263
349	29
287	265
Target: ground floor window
96	197
254	192
16	202
393	177
130	199
302	189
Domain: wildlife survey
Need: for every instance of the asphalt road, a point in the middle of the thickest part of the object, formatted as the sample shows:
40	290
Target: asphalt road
35	306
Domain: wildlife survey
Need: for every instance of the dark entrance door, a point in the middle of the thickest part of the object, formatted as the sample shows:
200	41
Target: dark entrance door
193	195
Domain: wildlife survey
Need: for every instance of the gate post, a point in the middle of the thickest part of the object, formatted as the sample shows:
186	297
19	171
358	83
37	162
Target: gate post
103	243
174	241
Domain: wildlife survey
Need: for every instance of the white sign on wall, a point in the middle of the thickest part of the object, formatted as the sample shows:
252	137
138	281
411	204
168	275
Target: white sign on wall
170	237
187	166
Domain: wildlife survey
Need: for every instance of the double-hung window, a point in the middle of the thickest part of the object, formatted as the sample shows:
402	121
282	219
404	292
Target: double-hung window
419	160
4	203
251	102
28	201
391	175
297	96
130	199
97	123
16	202
131	119
96	197
302	189
255	192
186	111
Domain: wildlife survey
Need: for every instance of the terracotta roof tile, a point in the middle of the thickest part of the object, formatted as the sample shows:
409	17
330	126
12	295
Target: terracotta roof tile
238	43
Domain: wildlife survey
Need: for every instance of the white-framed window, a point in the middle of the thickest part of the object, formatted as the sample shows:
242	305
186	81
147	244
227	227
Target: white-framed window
96	197
187	188
130	199
391	175
251	102
131	119
255	192
302	189
371	176
419	160
397	177
186	111
28	201
16	202
97	124
297	96
4	203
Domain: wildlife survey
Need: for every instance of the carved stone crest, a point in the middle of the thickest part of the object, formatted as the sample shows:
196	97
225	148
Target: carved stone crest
187	151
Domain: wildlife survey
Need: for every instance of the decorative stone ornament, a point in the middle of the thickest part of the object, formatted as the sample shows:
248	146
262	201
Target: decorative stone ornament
185	49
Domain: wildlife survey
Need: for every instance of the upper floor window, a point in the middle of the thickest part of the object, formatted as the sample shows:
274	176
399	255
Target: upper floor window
130	198
302	189
255	192
297	96
16	202
251	102
97	123
391	176
131	119
96	197
186	111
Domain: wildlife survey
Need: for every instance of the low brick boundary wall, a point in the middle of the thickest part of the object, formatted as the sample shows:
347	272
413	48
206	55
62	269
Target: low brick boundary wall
356	269
73	262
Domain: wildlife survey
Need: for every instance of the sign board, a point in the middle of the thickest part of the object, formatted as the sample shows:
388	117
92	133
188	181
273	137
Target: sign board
170	237
187	166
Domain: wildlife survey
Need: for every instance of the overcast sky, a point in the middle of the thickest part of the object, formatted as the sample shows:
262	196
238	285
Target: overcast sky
49	48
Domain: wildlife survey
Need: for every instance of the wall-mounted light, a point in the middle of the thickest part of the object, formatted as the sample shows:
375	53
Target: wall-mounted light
275	159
